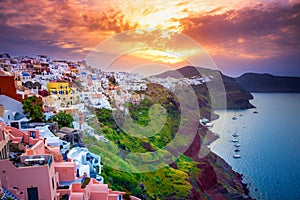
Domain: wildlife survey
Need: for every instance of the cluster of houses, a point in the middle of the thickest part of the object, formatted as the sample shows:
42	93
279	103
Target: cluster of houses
171	83
36	159
33	167
64	83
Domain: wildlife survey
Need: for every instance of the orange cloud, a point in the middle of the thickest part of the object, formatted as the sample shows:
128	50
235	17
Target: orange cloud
226	28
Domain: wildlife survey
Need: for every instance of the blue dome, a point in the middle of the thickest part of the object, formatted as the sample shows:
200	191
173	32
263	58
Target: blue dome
83	73
94	79
25	74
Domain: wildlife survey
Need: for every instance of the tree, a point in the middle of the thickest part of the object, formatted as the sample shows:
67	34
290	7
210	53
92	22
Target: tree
32	108
63	119
112	80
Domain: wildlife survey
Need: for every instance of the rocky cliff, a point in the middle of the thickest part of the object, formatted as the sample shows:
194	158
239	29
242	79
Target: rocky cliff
222	92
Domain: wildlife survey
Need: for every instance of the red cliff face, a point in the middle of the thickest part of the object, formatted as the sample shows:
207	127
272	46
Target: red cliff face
194	148
215	178
208	177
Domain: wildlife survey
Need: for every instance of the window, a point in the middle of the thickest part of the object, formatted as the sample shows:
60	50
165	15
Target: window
4	153
32	134
53	183
24	125
3	136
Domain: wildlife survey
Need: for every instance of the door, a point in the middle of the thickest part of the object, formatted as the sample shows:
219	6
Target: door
32	193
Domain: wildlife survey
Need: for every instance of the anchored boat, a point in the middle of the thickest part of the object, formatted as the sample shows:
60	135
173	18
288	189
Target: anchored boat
237	145
236	156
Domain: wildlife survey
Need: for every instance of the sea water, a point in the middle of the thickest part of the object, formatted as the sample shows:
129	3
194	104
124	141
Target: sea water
269	144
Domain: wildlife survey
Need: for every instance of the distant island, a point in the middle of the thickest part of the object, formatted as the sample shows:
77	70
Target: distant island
267	83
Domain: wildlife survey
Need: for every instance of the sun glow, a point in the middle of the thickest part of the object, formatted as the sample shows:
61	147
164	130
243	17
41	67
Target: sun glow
156	55
165	56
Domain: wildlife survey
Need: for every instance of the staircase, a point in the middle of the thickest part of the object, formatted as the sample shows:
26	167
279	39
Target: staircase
8	194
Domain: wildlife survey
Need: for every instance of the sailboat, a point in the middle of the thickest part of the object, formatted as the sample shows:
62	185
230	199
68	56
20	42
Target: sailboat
235	140
234	117
235	134
237	145
236	156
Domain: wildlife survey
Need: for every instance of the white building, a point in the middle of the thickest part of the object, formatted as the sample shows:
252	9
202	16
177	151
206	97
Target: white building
86	162
12	109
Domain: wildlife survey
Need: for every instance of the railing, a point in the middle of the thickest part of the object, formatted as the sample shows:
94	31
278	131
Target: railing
7	193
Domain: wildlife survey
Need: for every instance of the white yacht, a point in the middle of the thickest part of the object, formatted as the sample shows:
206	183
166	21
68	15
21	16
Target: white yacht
235	135
236	150
235	140
236	156
237	145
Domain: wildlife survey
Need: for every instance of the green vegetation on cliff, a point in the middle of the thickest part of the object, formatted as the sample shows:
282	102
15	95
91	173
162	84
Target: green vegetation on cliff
167	174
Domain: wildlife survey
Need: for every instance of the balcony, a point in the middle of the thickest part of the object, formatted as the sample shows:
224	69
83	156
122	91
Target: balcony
26	161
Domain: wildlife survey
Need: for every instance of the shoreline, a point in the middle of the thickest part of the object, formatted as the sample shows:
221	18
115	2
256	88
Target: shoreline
217	136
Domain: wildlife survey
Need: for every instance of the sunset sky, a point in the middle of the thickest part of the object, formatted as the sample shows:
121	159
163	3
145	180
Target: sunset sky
238	35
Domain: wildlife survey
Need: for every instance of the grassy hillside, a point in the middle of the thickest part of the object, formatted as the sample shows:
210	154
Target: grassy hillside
180	176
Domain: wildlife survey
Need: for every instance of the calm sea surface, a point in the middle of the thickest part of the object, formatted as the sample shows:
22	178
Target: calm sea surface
269	145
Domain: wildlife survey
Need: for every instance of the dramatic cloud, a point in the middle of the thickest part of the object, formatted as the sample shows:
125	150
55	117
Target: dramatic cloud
61	24
253	35
266	30
239	35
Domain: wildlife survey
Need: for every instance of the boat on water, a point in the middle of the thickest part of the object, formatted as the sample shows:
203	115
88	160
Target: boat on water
236	156
235	140
235	135
237	150
255	112
209	125
234	118
205	122
237	145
